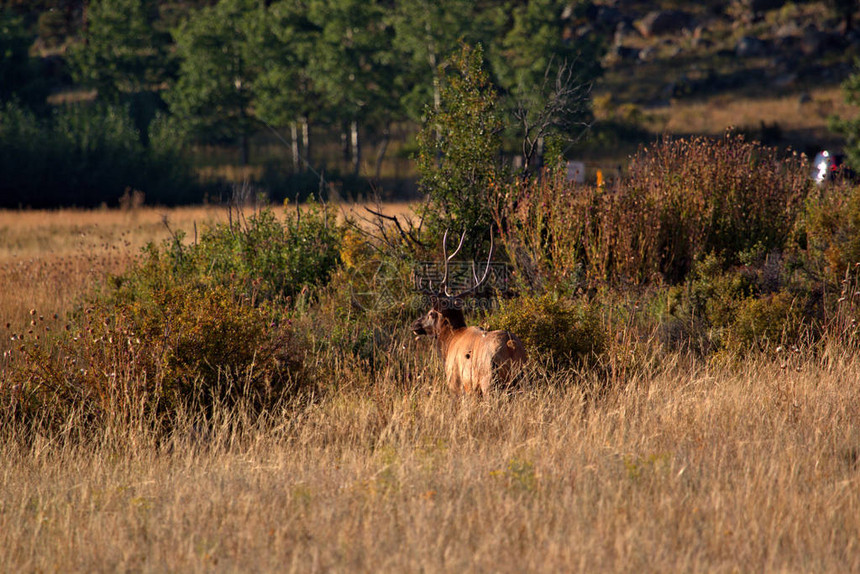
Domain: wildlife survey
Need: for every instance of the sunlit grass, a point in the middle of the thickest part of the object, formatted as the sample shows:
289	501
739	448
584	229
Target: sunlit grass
49	259
693	469
652	461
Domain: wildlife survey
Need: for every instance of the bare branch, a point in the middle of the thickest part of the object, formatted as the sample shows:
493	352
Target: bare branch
563	101
406	235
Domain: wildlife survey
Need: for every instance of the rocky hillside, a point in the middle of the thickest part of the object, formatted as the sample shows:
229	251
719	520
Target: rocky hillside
769	67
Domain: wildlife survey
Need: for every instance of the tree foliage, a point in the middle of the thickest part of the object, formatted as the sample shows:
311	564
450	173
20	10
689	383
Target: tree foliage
219	71
18	77
122	52
850	127
546	75
213	95
426	33
283	40
459	145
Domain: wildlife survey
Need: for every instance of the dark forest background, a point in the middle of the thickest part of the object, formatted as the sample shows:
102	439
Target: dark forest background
177	102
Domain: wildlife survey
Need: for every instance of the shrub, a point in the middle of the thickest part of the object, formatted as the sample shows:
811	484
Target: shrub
271	258
764	323
189	326
184	348
720	196
830	228
682	200
757	305
564	333
262	257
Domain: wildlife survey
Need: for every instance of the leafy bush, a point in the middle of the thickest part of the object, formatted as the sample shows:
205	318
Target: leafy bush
564	333
188	326
830	228
262	257
682	200
764	323
272	258
751	306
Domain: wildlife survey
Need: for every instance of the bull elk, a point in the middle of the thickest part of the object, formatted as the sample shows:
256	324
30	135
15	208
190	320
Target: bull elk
475	360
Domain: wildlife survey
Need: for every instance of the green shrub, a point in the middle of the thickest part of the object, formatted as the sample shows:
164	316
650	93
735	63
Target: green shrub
754	306
830	228
271	257
764	323
265	258
715	294
564	333
189	326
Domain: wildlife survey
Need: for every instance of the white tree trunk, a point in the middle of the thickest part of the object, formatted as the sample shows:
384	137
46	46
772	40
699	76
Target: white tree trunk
294	146
354	146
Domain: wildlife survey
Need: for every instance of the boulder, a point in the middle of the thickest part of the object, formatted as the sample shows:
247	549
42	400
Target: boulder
749	47
759	6
661	22
813	41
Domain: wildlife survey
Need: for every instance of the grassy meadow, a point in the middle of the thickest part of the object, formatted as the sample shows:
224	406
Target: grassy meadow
222	403
685	469
49	259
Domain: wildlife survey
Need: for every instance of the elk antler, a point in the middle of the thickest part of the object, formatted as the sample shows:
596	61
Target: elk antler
478	282
444	283
442	290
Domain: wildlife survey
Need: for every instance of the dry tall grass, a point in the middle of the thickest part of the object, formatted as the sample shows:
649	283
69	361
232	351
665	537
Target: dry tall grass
671	466
691	469
48	259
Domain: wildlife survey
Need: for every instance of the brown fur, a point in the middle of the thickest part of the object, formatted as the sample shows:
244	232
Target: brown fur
476	361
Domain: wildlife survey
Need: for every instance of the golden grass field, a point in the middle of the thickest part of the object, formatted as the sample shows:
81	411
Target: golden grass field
799	120
674	465
48	259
